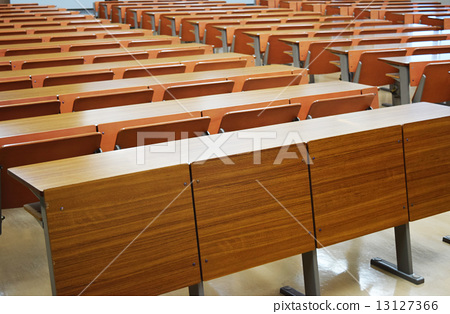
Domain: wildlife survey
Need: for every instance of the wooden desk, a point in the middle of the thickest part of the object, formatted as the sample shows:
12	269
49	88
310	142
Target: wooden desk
411	70
133	16
161	177
412	15
67	93
110	120
54	23
65	45
59	29
98	34
38	75
89	55
261	38
349	56
300	46
47	17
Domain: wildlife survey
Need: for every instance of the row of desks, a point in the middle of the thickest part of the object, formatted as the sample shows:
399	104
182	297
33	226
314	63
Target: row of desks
246	213
214	106
68	93
38	75
300	46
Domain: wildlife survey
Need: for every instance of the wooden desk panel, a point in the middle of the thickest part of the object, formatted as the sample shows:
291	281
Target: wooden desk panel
427	163
358	184
109	241
247	227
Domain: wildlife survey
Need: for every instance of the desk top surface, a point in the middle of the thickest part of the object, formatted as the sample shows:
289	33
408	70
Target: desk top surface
84	41
371	36
407	60
43	176
418	44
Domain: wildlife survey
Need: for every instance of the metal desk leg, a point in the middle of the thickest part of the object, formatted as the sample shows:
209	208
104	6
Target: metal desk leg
404	85
174	27
446	239
197	290
135	20
345	71
310	275
197	33
296	55
257	48
223	36
404	268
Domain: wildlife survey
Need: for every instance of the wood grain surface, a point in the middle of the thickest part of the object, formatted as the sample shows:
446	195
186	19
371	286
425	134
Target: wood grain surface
128	235
251	214
358	184
427	151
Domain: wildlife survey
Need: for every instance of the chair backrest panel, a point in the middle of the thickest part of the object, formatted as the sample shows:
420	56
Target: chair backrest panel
373	71
252	118
156	70
173	130
121	57
14	194
112	100
340	105
24	52
10	112
180	53
78	78
436	82
51	63
94	47
271	82
16	84
319	58
196	90
219	65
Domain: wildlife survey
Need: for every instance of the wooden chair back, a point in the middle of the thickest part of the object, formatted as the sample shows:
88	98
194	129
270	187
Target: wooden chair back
14	194
82	103
19	111
51	63
196	90
253	118
339	105
173	130
254	83
434	83
156	70
372	71
78	78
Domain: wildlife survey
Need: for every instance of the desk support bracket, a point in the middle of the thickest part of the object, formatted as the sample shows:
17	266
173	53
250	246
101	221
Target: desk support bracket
310	275
47	243
197	289
404	268
446	239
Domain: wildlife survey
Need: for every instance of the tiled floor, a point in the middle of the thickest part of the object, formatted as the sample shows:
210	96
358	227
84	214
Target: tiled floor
344	268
